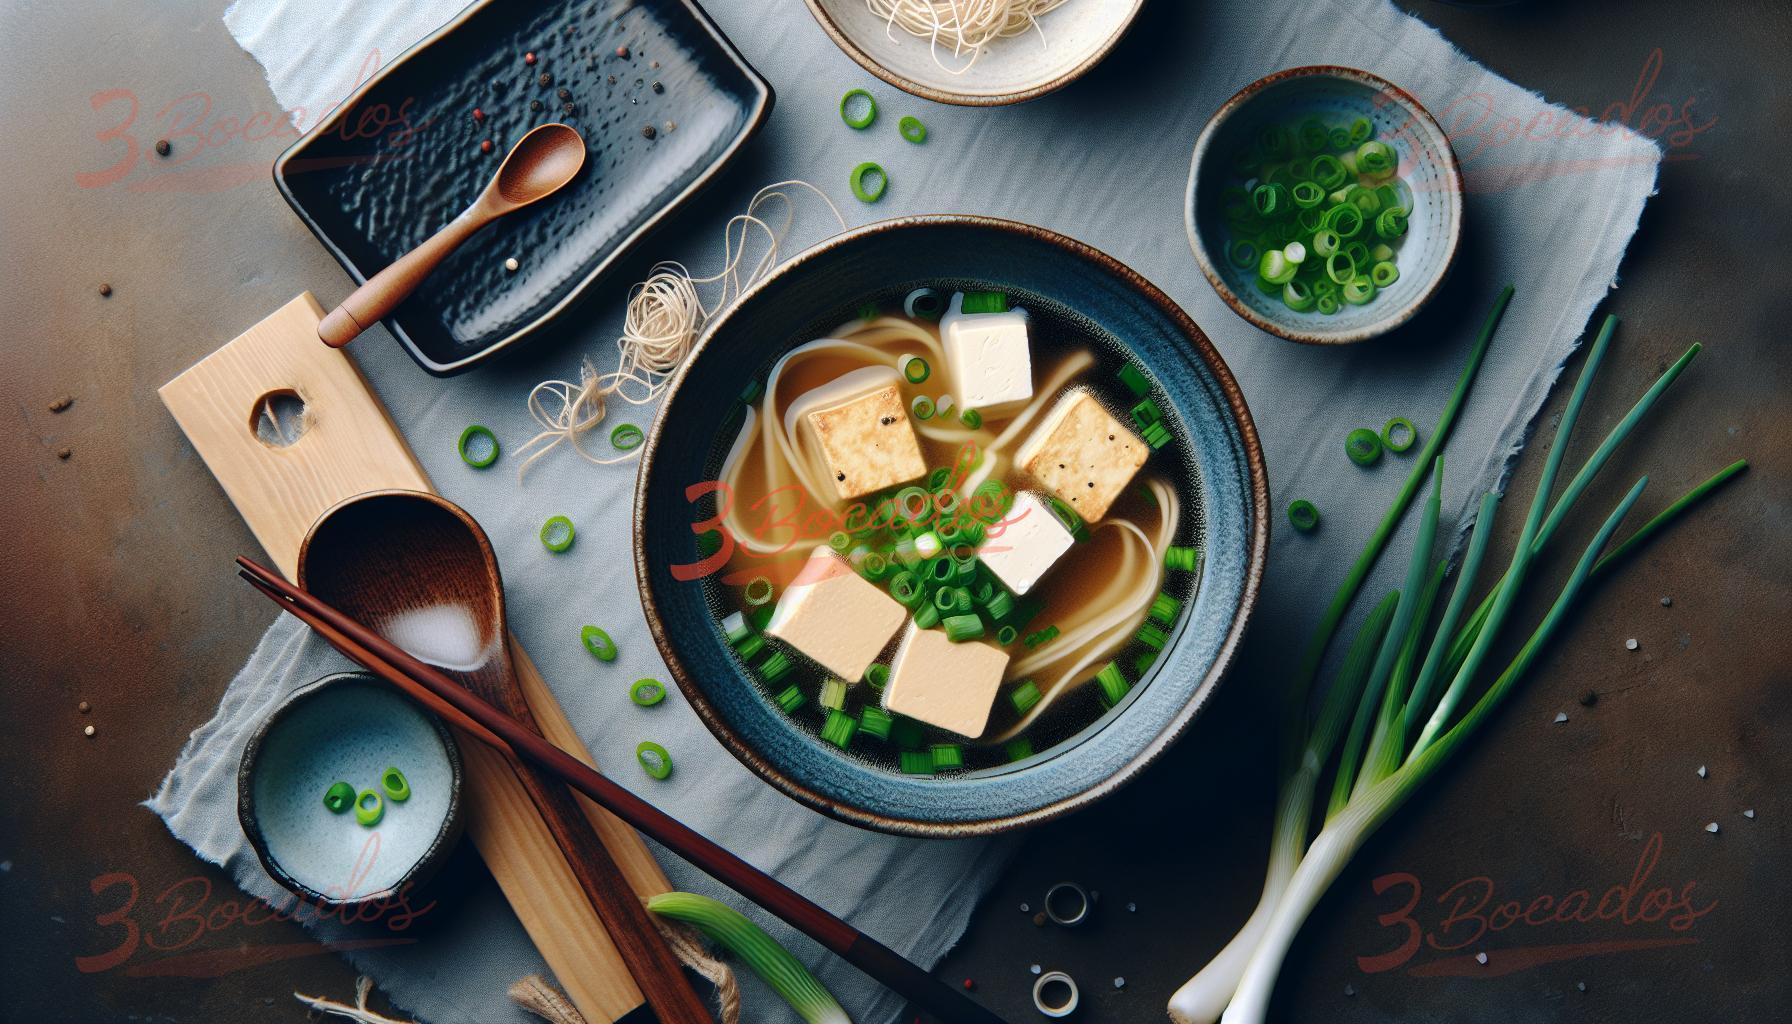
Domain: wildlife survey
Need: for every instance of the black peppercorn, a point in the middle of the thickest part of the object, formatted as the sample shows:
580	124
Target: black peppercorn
648	131
565	94
657	87
162	147
534	104
546	79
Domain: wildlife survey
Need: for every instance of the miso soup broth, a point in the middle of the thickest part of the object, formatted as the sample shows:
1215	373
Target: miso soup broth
961	528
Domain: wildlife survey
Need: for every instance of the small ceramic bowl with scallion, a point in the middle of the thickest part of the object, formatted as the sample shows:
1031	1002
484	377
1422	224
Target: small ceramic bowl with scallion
349	792
1324	204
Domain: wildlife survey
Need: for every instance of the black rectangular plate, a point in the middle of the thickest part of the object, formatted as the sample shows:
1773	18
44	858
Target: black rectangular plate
402	156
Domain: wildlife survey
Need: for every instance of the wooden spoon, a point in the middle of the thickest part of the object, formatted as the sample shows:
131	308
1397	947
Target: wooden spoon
417	569
538	165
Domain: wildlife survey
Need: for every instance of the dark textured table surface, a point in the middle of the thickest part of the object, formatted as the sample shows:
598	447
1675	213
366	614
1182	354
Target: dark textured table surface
113	593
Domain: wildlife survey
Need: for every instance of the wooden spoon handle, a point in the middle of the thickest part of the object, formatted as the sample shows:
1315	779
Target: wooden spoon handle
656	970
375	300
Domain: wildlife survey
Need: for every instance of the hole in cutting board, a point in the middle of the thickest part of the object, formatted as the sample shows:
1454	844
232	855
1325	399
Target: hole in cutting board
279	418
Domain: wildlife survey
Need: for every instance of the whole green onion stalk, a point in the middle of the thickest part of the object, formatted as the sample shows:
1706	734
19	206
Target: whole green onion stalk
1390	678
731	930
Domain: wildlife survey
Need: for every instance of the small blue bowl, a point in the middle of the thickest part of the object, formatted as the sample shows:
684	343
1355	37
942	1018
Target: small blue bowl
822	288
349	727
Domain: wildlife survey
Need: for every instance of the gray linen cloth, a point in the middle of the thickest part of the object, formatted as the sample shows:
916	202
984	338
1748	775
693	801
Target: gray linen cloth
1552	203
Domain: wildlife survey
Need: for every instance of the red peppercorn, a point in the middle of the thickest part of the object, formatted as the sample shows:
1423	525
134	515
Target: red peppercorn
622	51
528	58
486	146
478	115
967	984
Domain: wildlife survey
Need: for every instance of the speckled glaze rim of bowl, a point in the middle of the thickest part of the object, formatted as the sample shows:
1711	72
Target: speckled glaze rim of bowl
969	99
1451	168
1250	454
426	865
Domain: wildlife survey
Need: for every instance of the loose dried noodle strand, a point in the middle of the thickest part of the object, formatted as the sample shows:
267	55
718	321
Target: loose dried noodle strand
664	316
967	26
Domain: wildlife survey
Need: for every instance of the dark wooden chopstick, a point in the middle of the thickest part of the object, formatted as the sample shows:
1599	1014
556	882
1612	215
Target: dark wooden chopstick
396	666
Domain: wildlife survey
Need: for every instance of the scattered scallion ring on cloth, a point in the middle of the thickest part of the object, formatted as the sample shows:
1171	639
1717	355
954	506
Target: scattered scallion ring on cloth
393	783
1399	434
1303	515
868	193
912	129
626	437
339	797
1363	446
557	534
774	965
481	434
598	643
846	103
647	692
758	592
369	814
653	759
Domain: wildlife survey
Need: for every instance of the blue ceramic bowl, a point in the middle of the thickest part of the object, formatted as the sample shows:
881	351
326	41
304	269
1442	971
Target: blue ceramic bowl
349	728
822	288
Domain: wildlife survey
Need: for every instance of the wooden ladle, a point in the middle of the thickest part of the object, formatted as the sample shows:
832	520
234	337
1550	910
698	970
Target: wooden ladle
417	569
538	165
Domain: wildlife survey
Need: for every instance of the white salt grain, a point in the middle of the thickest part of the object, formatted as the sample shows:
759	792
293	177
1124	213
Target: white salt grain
1561	716
1711	828
1581	985
1350	990
1034	968
1701	771
1480	958
1119	982
1630	644
511	264
1750	813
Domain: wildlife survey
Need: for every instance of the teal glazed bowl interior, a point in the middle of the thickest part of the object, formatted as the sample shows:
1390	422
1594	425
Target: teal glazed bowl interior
349	728
805	299
1335	95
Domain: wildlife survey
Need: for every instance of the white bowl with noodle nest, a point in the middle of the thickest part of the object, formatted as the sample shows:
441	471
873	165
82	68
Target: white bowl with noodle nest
976	53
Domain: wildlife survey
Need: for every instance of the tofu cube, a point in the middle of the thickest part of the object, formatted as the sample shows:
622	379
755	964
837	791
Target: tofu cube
835	617
1082	454
865	440
988	357
949	685
1030	542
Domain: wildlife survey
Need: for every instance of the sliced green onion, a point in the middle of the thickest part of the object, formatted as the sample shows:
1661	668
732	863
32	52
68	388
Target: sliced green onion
911	129
1361	129
1039	637
626	437
557	534
870	108
999	605
760	952
960	628
1375	158
1018	749
1303	515
839	729
1024	695
1359	290
1068	517
1146	413
603	648
749	647
1383	274
927	616
1113	684
1005	636
1142	663
971	418
879	181
874	566
396	787
1164	608
478	446
1327	304
1328	171
875	722
1134	379
984	302
791	699
775	667
1363	446
339	797
1399	434
915	369
1156	435
1298	297
1340	268
906	589
877	675
1276	268
1243	254
647	692
1391	224
924	304
1182	558
370	807
915	762
840	541
1306	194
653	759
1152	637
868	311
833	694
946	756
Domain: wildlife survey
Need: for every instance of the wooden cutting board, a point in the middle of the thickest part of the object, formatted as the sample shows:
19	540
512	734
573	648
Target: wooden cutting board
348	446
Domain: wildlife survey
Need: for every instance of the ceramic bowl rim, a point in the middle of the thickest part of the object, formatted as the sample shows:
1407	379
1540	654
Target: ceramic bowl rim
1452	172
1251	450
967	99
425	866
